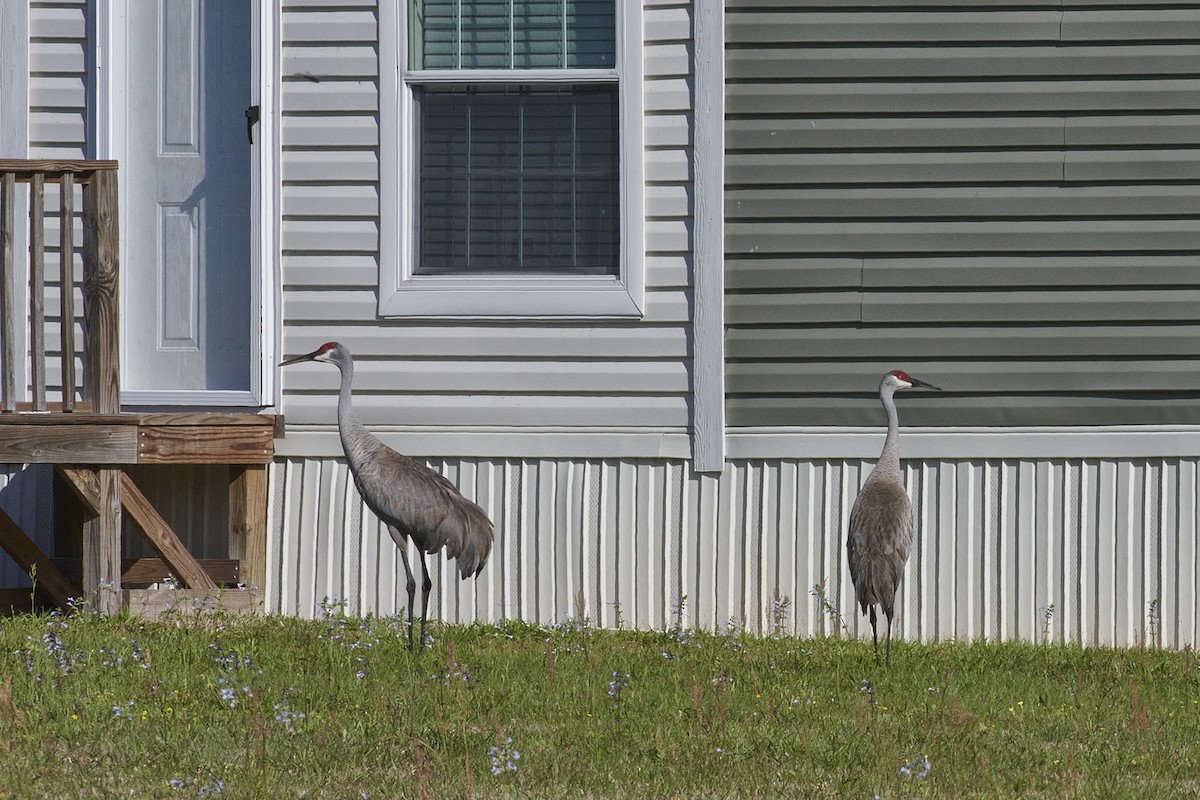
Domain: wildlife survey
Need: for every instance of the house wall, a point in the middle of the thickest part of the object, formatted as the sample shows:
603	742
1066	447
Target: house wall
1000	198
574	436
1092	549
58	83
58	122
508	373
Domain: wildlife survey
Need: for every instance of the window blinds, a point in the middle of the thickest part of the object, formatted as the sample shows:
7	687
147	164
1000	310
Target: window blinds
511	34
519	179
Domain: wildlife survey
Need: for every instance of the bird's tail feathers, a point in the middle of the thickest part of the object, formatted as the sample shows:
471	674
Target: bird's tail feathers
468	539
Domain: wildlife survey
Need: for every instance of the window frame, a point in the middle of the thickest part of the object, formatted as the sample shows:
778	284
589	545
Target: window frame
404	294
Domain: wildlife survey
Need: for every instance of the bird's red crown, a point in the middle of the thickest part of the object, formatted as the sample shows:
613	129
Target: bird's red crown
901	374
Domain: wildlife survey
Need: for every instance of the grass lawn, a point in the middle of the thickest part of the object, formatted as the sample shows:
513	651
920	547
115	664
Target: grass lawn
275	707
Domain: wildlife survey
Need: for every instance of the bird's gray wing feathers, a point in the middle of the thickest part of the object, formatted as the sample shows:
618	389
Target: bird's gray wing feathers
880	535
423	506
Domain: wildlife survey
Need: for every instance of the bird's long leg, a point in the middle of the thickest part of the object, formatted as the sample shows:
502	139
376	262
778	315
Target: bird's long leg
888	659
874	634
412	589
426	585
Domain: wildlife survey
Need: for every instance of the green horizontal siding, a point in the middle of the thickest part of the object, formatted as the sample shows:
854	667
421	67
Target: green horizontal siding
1002	198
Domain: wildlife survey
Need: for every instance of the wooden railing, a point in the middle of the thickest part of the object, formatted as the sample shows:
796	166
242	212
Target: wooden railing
99	356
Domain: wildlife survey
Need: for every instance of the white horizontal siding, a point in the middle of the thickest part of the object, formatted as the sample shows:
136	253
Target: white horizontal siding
57	79
1109	544
510	373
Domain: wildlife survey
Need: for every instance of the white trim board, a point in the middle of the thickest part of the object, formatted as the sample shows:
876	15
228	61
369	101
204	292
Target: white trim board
708	362
321	441
14	79
795	444
1116	441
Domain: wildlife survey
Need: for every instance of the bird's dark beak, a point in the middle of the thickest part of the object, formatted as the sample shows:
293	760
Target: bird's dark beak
298	359
924	385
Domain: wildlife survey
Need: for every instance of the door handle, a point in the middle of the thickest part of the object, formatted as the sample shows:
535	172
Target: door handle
251	121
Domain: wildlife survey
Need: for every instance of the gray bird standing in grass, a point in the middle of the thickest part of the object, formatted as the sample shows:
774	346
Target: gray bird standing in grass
413	501
881	521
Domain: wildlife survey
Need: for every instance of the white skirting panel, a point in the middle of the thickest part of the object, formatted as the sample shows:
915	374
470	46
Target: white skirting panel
1085	550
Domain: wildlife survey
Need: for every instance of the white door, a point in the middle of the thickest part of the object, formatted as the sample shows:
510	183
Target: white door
186	304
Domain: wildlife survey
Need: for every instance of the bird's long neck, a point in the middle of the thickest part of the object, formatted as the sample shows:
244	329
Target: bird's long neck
348	424
889	459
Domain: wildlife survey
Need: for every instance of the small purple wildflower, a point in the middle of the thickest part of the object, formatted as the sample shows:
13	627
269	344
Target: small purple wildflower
618	684
910	769
285	716
504	757
459	673
869	689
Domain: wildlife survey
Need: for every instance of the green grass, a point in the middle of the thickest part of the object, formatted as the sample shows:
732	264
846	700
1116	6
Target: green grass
338	708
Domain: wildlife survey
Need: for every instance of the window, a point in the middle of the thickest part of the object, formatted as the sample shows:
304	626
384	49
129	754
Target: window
511	158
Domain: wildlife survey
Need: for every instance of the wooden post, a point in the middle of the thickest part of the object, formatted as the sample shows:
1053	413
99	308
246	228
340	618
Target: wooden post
100	308
8	279
102	534
66	280
102	546
37	289
248	523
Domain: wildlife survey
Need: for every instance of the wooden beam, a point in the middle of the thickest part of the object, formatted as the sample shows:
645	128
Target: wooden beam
53	407
162	538
248	522
204	445
8	285
28	556
145	571
100	293
182	420
102	545
23	169
37	290
84	484
67	444
141	572
153	603
208	418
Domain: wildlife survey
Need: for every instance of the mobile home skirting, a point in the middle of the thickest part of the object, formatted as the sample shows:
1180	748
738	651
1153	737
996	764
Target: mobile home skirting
1095	550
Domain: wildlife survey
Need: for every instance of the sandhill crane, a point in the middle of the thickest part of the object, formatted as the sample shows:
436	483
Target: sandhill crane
881	521
413	501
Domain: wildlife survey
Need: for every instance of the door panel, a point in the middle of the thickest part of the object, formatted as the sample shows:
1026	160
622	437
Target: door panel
186	174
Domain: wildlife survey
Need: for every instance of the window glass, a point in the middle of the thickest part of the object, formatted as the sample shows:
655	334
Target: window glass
518	178
499	34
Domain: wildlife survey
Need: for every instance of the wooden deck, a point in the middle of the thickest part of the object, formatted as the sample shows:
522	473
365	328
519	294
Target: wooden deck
83	432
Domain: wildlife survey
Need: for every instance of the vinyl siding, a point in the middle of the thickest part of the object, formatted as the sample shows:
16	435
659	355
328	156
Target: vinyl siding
512	373
57	79
999	198
58	113
1088	550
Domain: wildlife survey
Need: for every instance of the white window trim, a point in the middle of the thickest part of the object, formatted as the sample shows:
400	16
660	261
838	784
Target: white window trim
403	294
